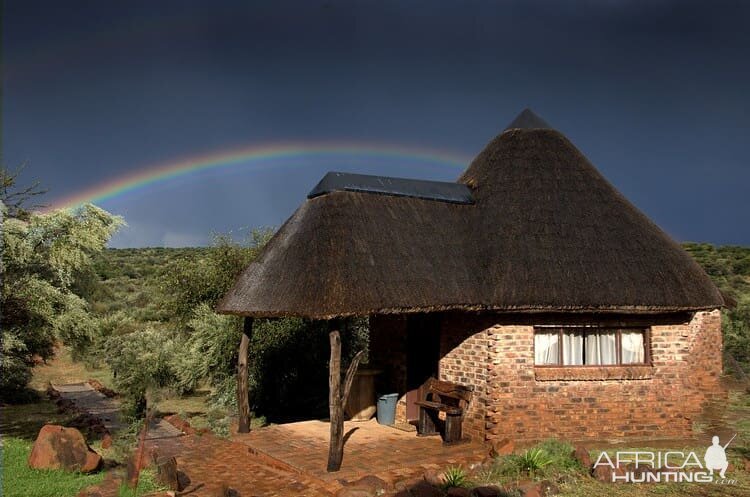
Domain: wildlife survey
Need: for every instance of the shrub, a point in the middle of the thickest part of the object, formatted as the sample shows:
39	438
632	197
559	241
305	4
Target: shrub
140	361
560	454
454	477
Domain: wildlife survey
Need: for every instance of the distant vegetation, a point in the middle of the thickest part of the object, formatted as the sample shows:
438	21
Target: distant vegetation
729	267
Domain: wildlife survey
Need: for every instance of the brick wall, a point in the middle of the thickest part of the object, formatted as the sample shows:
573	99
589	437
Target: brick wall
528	403
464	359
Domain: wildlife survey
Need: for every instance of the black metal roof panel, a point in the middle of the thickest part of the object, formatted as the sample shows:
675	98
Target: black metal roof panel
441	191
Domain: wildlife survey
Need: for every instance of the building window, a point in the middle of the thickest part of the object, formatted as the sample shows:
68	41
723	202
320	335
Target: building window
588	346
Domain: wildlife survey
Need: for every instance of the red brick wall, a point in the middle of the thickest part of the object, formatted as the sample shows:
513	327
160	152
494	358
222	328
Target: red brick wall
528	403
514	399
464	359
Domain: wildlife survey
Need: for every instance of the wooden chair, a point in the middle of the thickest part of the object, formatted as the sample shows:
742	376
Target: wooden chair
443	396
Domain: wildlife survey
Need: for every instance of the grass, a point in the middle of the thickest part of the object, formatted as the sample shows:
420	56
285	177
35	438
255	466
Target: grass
146	484
192	405
25	420
21	481
62	369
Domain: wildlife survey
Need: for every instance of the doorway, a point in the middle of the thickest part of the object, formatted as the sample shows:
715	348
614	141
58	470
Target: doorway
422	357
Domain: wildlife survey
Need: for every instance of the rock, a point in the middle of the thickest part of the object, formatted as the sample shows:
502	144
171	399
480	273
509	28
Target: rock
583	456
356	491
402	485
223	491
166	472
458	492
179	423
424	489
107	441
433	477
57	447
543	488
747	465
65	405
487	491
502	447
603	473
99	387
377	485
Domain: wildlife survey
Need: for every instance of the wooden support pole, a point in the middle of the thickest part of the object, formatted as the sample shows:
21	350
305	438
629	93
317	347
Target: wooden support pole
336	444
337	397
243	388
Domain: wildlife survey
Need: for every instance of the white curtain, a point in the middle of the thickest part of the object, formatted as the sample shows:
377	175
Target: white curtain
546	348
601	348
572	348
632	347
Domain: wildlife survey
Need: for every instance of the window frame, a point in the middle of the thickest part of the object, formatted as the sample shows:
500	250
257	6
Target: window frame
646	330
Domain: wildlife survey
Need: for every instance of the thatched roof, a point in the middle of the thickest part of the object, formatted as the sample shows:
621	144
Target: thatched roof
547	233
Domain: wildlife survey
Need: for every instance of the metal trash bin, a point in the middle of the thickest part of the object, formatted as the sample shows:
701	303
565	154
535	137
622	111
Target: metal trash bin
387	408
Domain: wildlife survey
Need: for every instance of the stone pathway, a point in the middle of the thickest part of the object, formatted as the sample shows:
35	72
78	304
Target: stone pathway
87	399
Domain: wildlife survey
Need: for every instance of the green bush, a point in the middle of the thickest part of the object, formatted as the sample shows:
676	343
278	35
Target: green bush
140	361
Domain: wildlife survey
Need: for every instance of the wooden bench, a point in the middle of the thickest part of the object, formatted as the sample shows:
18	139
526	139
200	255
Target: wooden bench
442	396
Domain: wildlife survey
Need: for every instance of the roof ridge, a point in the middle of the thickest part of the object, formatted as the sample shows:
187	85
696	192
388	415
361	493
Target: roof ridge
527	119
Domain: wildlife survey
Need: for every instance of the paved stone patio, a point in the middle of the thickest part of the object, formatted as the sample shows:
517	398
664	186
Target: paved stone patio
370	448
290	459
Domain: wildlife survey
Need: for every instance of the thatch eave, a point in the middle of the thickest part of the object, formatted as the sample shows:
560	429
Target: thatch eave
547	233
526	310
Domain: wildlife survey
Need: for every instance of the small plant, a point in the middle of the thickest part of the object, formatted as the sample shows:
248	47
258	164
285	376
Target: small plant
561	456
454	477
534	460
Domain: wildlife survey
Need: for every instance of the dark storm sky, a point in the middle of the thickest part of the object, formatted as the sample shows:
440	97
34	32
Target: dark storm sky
655	93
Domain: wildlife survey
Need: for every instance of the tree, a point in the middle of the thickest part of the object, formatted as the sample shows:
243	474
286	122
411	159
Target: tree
41	255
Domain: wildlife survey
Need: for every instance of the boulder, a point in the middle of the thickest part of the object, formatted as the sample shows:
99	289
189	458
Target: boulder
487	491
424	489
502	447
356	491
99	387
544	488
57	447
369	483
458	492
582	454
107	441
604	473
179	423
166	472
433	477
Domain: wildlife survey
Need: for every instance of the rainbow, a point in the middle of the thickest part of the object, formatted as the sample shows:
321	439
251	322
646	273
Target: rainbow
253	156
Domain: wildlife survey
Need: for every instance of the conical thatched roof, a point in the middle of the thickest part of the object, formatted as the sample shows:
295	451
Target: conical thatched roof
546	233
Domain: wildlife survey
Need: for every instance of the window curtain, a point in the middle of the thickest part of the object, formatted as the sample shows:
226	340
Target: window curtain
573	348
546	348
601	348
632	347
